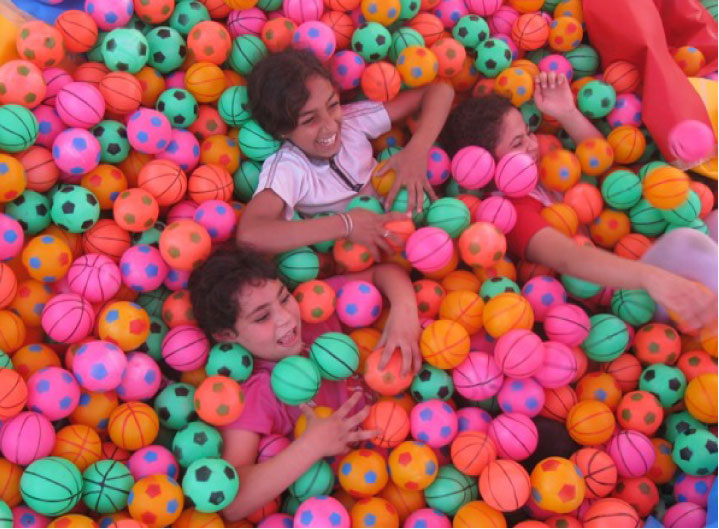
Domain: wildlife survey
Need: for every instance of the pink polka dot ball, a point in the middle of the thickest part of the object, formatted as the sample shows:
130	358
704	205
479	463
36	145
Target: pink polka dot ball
438	166
143	268
67	318
110	14
473	167
218	219
99	365
429	249
26	437
76	151
499	211
434	423
346	68
80	104
141	380
177	279
478	377
473	420
515	436
321	511
633	453
54	392
543	293
516	175
95	277
525	396
427	518
567	323
558	64
559	367
450	11
316	37
694	489
519	353
24	516
148	131
49	125
11	237
359	304
151	460
183	149
627	111
185	348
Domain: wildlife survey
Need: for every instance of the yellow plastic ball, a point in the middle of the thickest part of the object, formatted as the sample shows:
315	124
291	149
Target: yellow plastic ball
124	323
700	398
445	343
464	307
374	512
559	170
690	60
384	12
220	150
565	33
628	143
478	514
417	66
205	81
595	155
506	312
516	84
156	501
47	258
562	217
413	465
609	227
590	422
666	187
557	485
12	178
363	473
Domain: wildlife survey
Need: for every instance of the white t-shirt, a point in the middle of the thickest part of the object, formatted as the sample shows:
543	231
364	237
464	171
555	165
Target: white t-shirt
312	185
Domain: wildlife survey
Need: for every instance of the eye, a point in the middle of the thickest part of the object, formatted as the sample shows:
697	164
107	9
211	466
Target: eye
308	121
334	104
262	318
286	297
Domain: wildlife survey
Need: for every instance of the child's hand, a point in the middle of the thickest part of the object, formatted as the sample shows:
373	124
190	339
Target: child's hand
411	167
368	229
330	436
552	95
402	331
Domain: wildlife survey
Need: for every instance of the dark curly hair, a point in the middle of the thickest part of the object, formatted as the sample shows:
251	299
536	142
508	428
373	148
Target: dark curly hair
276	89
475	121
215	284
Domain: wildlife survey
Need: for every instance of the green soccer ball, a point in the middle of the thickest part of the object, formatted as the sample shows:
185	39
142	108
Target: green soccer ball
695	452
666	382
106	486
211	484
295	380
125	50
153	344
531	115
196	441
74	208
493	56
636	307
450	490
6	519
31	210
372	41
679	422
335	355
112	136
471	31
497	285
431	383
608	338
596	99
231	360
175	405
51	486
317	480
187	15
179	106
401	204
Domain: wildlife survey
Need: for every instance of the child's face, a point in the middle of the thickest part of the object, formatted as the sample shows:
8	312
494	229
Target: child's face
514	135
268	324
320	120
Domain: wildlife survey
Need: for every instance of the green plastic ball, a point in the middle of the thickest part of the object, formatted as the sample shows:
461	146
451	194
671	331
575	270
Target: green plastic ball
549	5
401	203
695	452
636	307
211	484
187	15
295	380
125	50
580	288
584	60
537	55
19	128
621	189
568	143
470	31
5	361
152	300
410	8
234	106
386	154
596	99
450	490
317	480
150	236
106	486
372	41
649	167
401	39
712	6
290	504
175	405
431	383
51	486
31	210
696	224
679	422
94	54
449	214
112	135
247	50
367	202
531	115
650	151
195	441
168	49
335	355
74	208
685	214
298	265
153	344
5	515
140	25
608	338
230	359
246	179
493	56
255	142
647	220
666	382
179	106
497	285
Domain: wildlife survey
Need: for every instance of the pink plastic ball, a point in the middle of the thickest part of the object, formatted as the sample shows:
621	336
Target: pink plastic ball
438	166
152	460
511	44
175	80
543	293
185	348
110	14
177	279
502	20
278	519
316	37
519	353
24	516
483	8
685	514
99	365
427	518
359	304
693	488
515	436
473	420
49	125
473	167
271	445
346	68
11	236
143	268
516	174
433	422
525	396
497	210
80	105
691	141
627	111
450	11
558	64
55	79
482	342
321	511
141	379
303	10
26	437
246	22
95	277
184	210
632	452
54	392
76	151
183	149
429	249
67	318
559	367
218	219
149	131
567	324
478	377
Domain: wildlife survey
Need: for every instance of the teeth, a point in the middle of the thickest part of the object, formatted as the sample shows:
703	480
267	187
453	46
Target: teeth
328	141
287	338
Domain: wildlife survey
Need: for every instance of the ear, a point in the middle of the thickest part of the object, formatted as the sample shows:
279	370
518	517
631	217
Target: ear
225	335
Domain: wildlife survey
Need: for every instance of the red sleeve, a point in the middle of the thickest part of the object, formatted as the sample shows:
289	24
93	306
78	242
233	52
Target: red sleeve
529	222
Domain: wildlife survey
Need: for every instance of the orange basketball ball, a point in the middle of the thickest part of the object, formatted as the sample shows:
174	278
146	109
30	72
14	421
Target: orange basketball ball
133	425
464	307
391	420
623	76
390	380
628	143
445	343
586	201
478	514
590	422
561	217
164	180
504	485
632	246
598	469
13	393
121	91
210	182
380	81
205	81
10	474
666	187
79	444
472	451
505	312
78	29
611	512
530	31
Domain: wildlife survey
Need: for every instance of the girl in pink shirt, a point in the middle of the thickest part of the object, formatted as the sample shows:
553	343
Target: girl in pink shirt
237	297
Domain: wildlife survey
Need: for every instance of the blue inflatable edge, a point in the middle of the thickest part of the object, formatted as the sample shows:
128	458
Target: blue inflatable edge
46	12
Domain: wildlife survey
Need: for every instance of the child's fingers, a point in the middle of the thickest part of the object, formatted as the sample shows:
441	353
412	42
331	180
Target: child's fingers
362	435
307	410
430	190
395	215
417	357
407	358
389	199
355	420
389	346
350	403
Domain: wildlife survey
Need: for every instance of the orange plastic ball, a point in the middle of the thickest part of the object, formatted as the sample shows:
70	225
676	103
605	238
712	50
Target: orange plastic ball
40	43
504	485
133	425
516	84
482	244
700	398
13	394
609	227
464	307
8	285
106	237
666	187
530	31
123	323
598	469
94	409
412	465
219	400
690	60
79	444
632	246
558	402
600	386
611	512
461	280
46	258
21	83
352	256
628	143
91	72
391	420
657	343
150	498
401	229
277	34
467	78
478	514
209	41
341	25
10	474
559	170
404	501
383	182
106	182
152	85
222	151
557	485
41	173
177	309
210	182
445	343
33	357
29	301
193	518
121	91
78	29
664	467
561	217
366	340
695	363
380	81
450	57
135	210
590	422
640	411
417	66
316	300
565	33
427	25
623	76
390	380
472	451
73	520
164	180
505	312
595	156
185	244
354	469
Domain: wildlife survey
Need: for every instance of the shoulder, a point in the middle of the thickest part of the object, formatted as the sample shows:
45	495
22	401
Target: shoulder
354	112
287	156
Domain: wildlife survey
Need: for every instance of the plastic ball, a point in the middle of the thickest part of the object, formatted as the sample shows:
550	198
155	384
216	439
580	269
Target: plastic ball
22	83
627	111
164	180
429	249
321	511
557	63
346	68
133	425
305	379
516	174
633	453
559	367
530	31
20	128
148	131
559	170
335	355
106	486
628	143
412	465
12	237
623	76
606	511
184	244
498	211
444	344
516	85
211	484
391	420
473	167
99	366
125	50
380	81
374	512
79	444
156	500
695	452
316	37
493	56
506	312
54	392
125	324
358	304
657	343
51	486
478	376
590	422
434	423
27	437
598	469
557	485
519	353
567	324
450	57
14	395
565	33
514	435
700	397
684	514
525	396
78	29
478	514
694	489
76	151
595	155
640	411
417	66
387	381
596	99
472	451
666	187
482	244
80	104
504	485
691	141
363	473
316	300
607	339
